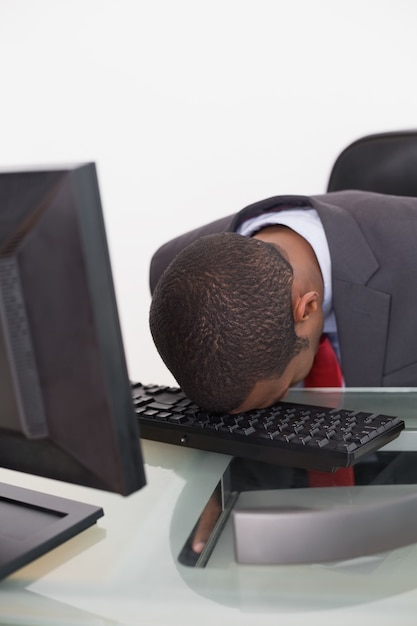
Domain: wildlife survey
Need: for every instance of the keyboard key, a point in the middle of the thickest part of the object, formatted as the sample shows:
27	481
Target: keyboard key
248	430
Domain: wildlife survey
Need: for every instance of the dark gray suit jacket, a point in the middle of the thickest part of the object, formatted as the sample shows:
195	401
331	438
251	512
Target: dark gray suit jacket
373	248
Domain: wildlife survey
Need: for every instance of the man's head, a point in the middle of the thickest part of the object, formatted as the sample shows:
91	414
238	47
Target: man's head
222	318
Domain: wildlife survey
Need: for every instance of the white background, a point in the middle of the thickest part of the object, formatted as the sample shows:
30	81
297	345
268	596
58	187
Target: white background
193	109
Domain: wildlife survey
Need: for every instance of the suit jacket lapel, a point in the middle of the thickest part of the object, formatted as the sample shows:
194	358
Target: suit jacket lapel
362	313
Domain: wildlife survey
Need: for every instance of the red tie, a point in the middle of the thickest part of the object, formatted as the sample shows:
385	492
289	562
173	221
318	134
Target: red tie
326	372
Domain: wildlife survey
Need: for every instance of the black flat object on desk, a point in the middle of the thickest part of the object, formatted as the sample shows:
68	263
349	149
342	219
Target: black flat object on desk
291	434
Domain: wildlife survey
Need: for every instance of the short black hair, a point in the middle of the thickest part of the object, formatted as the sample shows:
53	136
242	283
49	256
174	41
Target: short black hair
221	318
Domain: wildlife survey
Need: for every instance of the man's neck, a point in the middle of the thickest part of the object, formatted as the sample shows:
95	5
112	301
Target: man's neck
299	253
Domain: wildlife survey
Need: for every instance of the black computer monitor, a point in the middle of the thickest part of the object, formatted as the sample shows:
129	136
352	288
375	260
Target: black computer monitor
66	407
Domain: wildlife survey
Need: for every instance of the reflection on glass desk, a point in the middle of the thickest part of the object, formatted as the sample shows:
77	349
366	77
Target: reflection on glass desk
395	464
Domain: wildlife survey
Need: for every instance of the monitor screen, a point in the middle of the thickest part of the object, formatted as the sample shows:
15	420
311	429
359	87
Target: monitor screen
66	407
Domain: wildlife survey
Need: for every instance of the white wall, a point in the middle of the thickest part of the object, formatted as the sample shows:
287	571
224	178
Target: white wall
194	108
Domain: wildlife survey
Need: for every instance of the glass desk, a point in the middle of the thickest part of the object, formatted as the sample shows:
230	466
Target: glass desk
131	568
396	464
387	475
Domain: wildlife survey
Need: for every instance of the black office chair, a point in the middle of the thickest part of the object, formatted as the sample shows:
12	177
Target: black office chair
383	162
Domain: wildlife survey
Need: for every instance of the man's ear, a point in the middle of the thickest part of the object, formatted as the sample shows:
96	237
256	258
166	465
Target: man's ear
305	306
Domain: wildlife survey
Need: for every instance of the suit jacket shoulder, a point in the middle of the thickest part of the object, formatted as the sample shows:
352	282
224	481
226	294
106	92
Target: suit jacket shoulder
167	252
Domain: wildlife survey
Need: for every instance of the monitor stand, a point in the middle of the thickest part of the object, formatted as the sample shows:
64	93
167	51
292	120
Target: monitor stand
33	523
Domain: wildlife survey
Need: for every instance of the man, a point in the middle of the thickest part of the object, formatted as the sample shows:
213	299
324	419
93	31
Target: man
238	319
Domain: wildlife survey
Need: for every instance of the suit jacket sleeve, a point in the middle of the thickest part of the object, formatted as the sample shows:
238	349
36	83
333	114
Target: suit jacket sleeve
167	252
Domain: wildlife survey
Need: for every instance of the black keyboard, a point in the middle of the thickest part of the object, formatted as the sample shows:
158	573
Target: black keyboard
292	434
